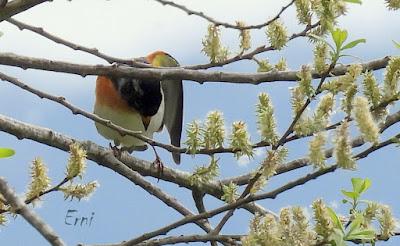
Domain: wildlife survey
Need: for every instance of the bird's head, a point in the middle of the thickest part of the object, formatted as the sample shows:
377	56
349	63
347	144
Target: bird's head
161	59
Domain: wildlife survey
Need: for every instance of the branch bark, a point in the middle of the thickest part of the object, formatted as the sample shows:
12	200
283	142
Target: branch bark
29	215
105	157
25	62
17	6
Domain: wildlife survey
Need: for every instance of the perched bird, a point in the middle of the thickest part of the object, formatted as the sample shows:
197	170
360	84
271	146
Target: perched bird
141	105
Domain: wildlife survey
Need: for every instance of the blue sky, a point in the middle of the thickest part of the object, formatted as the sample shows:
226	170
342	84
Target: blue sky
135	28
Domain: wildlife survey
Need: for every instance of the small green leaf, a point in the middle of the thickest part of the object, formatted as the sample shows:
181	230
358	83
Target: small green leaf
367	234
338	238
344	201
353	1
357	184
335	219
396	44
339	36
5	152
354	43
366	184
351	194
355	224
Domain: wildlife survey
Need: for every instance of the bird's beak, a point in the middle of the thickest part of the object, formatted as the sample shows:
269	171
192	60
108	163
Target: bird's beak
142	60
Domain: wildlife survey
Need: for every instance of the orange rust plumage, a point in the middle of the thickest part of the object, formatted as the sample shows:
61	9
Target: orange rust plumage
107	95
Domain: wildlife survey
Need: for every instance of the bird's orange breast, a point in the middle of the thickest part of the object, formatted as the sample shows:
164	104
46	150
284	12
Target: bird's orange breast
107	95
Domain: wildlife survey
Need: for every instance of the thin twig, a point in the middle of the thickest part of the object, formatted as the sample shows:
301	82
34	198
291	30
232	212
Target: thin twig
250	55
220	23
29	215
93	51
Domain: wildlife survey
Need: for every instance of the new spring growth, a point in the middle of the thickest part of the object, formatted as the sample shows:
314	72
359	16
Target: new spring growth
387	222
297	100
393	4
79	191
230	192
316	150
264	230
3	218
342	83
327	12
392	77
193	133
244	36
277	34
320	57
212	46
323	111
281	65
305	77
264	66
294	227
307	125
240	140
268	167
324	225
214	130
205	174
265	119
365	121
291	229
303	10
371	89
76	162
39	179
342	148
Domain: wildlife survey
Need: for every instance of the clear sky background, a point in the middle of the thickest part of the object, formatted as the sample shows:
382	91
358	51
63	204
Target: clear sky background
125	29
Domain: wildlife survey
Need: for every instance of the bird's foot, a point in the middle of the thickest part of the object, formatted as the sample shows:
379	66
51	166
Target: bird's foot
159	165
116	151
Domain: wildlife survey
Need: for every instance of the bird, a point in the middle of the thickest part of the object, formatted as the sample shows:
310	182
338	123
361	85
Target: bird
144	105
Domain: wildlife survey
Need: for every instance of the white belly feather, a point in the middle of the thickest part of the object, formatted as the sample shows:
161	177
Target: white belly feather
129	120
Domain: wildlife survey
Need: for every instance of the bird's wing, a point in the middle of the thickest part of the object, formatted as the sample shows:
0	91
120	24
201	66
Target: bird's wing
173	112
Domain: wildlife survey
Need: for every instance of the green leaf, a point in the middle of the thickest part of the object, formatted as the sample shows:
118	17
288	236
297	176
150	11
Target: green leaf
353	1
316	37
339	36
354	43
338	238
5	152
351	194
366	234
357	184
344	201
396	44
355	224
335	219
366	184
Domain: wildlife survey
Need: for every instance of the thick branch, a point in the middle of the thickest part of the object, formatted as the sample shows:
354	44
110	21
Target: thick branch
168	73
104	157
29	215
17	6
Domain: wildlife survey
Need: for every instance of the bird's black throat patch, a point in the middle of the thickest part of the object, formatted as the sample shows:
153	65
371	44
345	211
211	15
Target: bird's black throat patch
143	95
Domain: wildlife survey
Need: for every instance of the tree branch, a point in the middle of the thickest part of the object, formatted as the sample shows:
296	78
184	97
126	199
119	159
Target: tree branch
93	51
220	23
25	62
105	157
29	215
17	6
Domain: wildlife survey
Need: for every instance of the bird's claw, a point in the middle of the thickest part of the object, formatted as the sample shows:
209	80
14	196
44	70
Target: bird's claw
160	166
116	151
